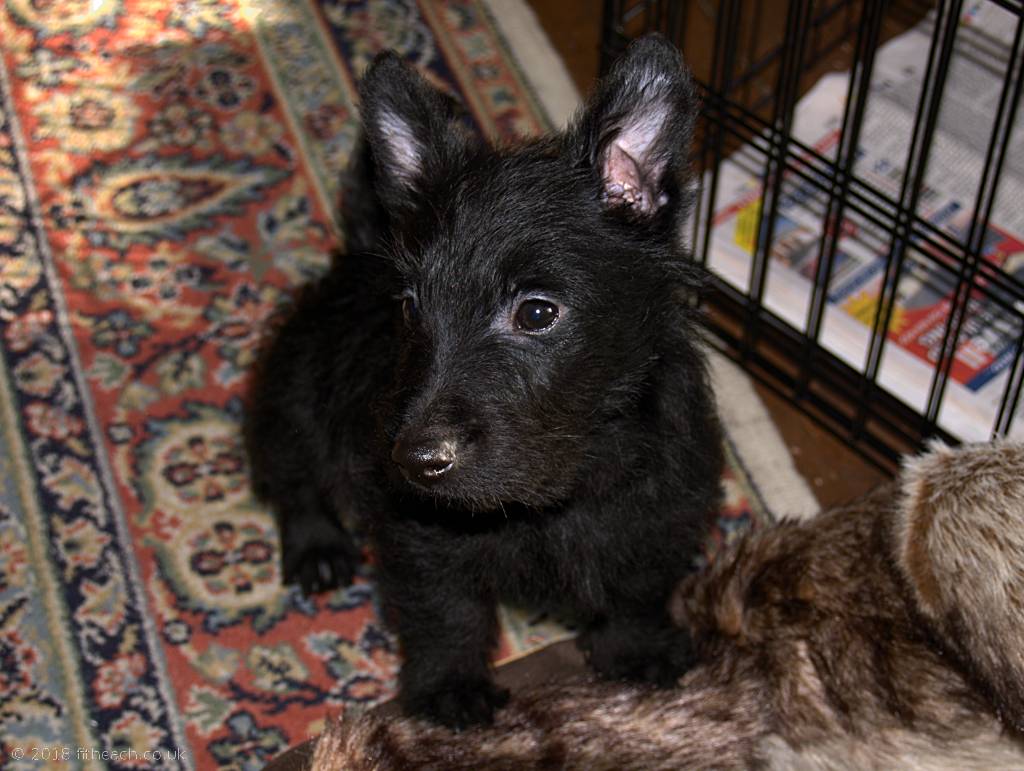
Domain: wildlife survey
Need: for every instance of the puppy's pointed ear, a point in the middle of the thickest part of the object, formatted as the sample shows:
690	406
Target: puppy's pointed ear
635	131
410	128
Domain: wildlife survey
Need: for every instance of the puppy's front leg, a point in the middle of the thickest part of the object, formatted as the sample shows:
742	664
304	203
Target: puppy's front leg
642	648
447	627
317	552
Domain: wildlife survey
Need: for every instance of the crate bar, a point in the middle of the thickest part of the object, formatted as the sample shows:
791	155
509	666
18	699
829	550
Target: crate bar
647	13
926	119
769	58
1011	396
749	78
677	24
726	28
614	37
838	378
988	189
846	156
1010	5
610	32
821	49
858	202
833	376
860	191
797	21
659	14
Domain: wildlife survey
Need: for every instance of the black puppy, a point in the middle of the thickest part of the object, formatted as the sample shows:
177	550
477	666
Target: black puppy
505	382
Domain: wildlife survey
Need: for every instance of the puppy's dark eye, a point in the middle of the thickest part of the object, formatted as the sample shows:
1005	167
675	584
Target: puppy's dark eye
536	315
410	313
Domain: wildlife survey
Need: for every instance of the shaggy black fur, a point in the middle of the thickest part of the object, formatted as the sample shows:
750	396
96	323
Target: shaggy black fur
505	382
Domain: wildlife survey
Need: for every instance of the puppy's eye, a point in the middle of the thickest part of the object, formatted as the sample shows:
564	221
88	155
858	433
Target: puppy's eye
536	315
410	313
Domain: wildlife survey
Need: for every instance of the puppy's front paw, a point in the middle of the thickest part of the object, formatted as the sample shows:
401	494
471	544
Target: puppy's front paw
317	567
641	653
458	702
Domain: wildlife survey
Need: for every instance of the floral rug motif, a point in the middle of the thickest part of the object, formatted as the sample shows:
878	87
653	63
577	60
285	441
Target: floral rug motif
168	175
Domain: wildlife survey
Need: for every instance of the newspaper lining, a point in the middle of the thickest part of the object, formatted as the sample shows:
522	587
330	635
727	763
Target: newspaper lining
992	327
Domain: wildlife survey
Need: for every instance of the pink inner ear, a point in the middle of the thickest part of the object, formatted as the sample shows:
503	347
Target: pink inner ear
624	184
630	176
621	172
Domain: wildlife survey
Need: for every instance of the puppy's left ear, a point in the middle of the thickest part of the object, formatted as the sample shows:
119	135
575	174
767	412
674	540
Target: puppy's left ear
411	129
635	131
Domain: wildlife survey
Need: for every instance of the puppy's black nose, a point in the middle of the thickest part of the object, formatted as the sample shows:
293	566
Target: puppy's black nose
425	461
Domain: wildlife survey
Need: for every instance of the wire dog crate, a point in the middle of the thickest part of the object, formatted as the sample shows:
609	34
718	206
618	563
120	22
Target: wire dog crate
861	204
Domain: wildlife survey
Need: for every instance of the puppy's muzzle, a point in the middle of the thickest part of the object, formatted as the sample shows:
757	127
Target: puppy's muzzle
425	461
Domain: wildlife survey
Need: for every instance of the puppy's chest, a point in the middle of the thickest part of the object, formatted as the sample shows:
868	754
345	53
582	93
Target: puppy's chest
552	565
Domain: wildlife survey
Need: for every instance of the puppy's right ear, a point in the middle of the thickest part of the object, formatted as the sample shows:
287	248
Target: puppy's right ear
635	130
411	129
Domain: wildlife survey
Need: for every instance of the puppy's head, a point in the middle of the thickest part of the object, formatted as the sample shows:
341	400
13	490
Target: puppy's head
533	284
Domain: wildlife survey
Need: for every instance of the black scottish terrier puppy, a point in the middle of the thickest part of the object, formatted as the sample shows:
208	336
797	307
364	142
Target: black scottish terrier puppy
503	377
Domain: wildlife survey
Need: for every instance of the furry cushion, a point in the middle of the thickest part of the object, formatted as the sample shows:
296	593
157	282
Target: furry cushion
883	634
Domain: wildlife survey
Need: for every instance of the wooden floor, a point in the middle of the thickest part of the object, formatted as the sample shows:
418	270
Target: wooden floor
834	472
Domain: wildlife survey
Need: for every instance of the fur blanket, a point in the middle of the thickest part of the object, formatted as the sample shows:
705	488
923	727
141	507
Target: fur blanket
885	634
